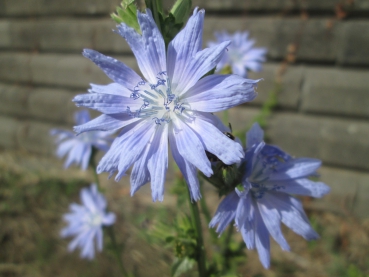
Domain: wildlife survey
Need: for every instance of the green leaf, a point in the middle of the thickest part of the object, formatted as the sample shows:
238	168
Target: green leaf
127	14
181	10
181	266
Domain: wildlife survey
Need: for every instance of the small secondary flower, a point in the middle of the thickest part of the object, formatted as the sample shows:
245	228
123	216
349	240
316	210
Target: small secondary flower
241	56
79	148
172	105
85	222
263	200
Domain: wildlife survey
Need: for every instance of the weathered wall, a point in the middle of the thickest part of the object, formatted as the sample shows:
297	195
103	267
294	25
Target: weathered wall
317	49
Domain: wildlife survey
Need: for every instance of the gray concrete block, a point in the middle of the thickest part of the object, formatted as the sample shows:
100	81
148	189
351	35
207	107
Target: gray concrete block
104	39
240	118
337	142
25	34
310	39
244	5
75	35
261	29
2	8
62	35
336	91
319	40
65	34
290	82
361	5
34	137
5	38
14	100
278	5
44	104
66	70
15	67
40	7
20	7
8	130
69	70
354	43
51	105
349	191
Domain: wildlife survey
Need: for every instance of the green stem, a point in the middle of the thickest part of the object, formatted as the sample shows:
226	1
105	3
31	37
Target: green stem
201	259
117	252
205	210
92	164
226	250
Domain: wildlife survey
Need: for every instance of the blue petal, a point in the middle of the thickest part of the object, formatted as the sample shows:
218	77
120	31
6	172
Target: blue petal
198	66
82	116
99	239
153	43
227	150
114	69
188	170
61	134
98	198
85	158
78	240
190	147
149	49
109	162
113	88
254	136
109	219
245	220
140	174
106	103
184	46
301	187
87	200
300	168
132	146
106	122
262	241
74	155
225	213
220	92
293	215
272	220
64	147
158	162
88	250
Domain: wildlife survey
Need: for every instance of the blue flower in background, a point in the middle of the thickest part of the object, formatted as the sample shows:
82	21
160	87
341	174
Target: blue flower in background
79	148
173	105
85	222
264	198
241	55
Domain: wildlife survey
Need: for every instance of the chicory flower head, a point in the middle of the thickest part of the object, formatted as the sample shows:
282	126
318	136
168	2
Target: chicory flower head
85	222
79	148
264	198
241	56
172	105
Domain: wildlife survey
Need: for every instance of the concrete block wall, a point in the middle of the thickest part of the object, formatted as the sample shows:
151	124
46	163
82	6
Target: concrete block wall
318	50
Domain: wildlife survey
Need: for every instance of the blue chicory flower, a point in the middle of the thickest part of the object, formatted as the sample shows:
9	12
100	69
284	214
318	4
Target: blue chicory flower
264	198
241	56
85	222
173	105
79	148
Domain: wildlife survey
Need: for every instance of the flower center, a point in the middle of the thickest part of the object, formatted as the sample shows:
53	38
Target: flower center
95	220
235	55
158	101
269	161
